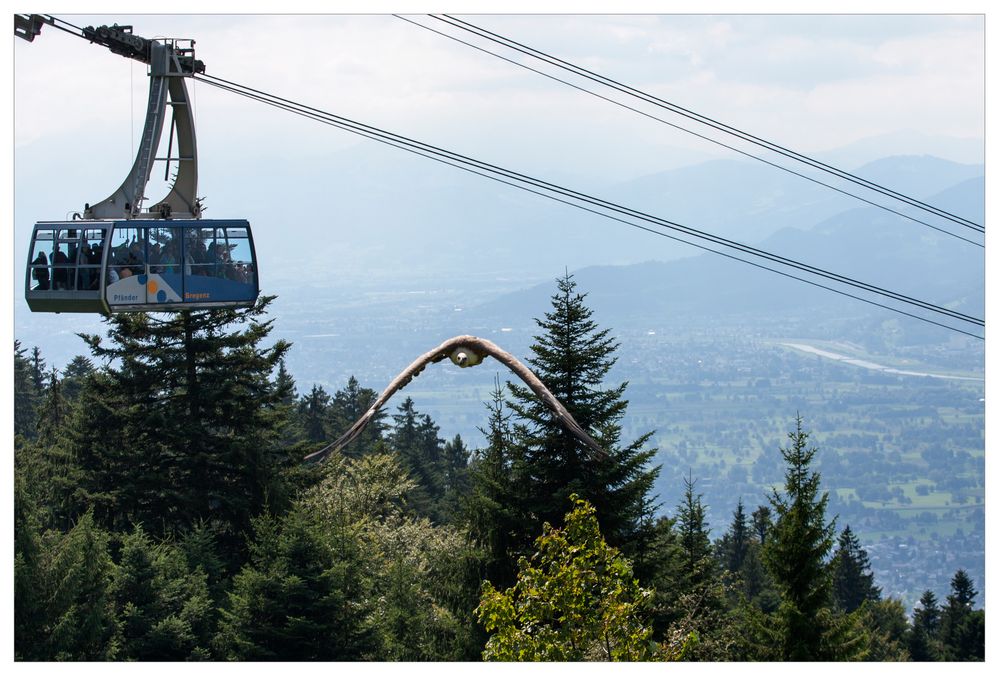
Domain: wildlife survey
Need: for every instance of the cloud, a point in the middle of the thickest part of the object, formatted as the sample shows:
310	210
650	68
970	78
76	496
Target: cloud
814	81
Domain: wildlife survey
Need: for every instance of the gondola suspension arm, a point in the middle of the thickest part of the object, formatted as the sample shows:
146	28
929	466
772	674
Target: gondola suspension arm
170	63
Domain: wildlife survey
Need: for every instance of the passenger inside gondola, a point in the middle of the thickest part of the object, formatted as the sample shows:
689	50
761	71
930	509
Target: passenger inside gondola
40	271
60	272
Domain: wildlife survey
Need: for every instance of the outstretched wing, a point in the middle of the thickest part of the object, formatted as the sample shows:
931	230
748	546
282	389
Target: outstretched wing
482	347
538	387
399	382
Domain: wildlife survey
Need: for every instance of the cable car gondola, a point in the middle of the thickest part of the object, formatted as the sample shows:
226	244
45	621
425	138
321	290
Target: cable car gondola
140	266
119	258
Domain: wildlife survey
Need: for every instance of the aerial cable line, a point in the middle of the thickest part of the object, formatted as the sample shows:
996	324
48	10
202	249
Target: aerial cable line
698	135
347	123
596	77
702	119
369	135
398	140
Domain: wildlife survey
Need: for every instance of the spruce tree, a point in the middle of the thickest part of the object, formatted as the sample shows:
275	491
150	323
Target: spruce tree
924	639
853	581
702	588
491	512
417	582
38	369
298	598
50	462
662	569
797	547
74	375
734	544
455	463
414	437
962	628
348	405
699	567
54	411
81	622
454	477
312	412
25	394
162	606
762	521
284	383
757	583
884	621
181	424
29	574
201	549
573	357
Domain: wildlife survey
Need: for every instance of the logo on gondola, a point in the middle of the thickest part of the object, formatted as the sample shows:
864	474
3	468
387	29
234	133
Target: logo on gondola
145	289
153	289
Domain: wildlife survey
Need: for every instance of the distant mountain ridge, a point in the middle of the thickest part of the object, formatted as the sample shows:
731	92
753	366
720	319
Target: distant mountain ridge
381	211
864	243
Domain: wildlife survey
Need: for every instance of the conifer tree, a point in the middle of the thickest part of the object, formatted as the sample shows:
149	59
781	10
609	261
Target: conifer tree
699	567
702	599
757	583
181	424
797	547
80	617
414	437
313	411
74	375
201	550
416	583
162	607
25	394
573	357
29	580
348	405
924	639
49	462
884	621
38	369
454	477
762	521
740	552
962	628
853	581
284	384
54	411
491	512
298	598
734	544
660	567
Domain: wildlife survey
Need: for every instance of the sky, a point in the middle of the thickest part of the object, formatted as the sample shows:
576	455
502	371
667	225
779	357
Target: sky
812	83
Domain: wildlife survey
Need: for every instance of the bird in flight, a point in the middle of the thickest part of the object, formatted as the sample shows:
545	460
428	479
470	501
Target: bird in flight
464	351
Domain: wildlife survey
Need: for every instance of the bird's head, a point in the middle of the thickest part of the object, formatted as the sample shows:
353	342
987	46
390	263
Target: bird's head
464	356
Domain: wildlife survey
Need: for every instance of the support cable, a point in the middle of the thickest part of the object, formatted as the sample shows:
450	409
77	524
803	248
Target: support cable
517	179
697	117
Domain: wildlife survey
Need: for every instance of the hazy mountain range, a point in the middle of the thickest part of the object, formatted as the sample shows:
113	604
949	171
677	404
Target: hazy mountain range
865	243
